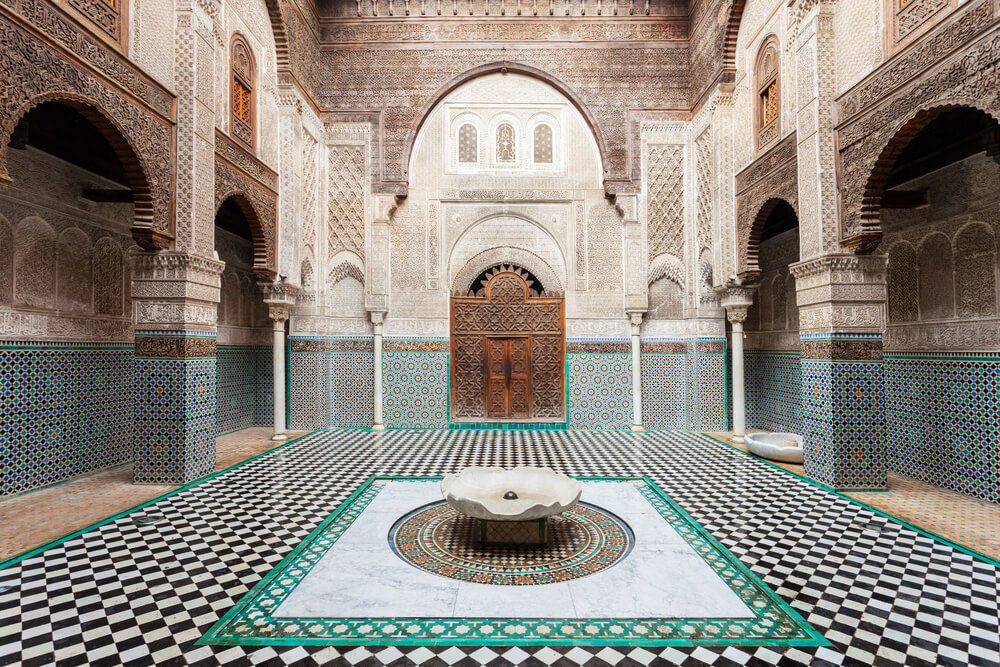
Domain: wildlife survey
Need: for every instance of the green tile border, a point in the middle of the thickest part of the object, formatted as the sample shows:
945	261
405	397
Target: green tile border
843	494
775	622
17	558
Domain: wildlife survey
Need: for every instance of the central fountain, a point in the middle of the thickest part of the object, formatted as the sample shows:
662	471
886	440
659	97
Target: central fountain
511	506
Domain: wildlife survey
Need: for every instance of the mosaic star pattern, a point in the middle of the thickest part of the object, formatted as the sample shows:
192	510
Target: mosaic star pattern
581	541
774	391
143	594
945	422
244	390
415	389
64	411
600	391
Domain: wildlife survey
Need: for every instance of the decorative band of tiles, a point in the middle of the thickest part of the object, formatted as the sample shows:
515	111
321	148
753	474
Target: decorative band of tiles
842	350
415	345
596	347
330	345
174	347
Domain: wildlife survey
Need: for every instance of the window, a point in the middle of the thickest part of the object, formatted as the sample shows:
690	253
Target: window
506	143
543	144
106	15
468	144
243	98
768	110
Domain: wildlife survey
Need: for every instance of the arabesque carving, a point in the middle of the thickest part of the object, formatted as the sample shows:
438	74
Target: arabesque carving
54	59
772	176
240	175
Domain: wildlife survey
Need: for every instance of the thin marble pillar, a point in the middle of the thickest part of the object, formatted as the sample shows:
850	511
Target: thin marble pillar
737	301
377	318
636	321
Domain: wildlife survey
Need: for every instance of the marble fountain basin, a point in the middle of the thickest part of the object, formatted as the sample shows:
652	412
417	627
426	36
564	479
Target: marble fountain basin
785	447
523	494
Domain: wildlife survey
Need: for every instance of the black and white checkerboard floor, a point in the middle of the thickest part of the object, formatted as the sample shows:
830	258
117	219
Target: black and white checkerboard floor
143	594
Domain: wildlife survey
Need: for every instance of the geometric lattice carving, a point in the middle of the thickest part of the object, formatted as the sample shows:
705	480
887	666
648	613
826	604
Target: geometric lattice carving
975	280
666	200
910	18
310	191
902	283
346	208
703	185
105	14
520	329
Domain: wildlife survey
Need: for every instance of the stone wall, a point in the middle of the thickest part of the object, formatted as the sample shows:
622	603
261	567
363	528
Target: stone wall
66	352
942	346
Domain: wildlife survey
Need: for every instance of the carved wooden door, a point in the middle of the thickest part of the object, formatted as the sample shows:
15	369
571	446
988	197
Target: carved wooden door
508	378
508	351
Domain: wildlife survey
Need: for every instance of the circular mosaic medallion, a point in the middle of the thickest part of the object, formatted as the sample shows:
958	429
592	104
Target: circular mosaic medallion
582	541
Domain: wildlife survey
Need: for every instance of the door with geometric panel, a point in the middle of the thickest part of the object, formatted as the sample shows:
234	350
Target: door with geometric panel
508	350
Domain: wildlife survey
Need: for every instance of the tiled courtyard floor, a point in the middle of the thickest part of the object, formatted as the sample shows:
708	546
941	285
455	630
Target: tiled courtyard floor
970	522
31	519
128	592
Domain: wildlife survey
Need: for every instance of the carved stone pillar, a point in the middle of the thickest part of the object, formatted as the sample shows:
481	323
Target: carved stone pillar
636	258
377	259
635	319
194	84
842	317
816	89
174	297
737	301
279	297
378	423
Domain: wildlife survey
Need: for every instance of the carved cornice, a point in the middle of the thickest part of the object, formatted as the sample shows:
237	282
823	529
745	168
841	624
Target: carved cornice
849	264
172	265
782	153
245	161
175	347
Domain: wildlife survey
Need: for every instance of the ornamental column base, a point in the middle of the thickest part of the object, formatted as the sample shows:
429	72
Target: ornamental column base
175	297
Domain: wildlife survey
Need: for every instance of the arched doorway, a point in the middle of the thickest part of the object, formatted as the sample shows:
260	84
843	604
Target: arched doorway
507	349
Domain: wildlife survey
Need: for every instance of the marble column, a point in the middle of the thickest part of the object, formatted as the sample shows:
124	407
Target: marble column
737	301
378	423
841	301
174	296
279	297
635	319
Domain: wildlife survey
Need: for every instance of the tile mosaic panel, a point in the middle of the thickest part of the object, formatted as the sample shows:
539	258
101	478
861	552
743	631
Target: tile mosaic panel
683	390
600	391
352	381
943	416
331	383
244	388
415	389
64	411
174	419
843	417
774	391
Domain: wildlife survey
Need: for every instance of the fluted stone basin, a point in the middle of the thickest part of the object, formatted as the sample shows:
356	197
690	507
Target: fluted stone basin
522	494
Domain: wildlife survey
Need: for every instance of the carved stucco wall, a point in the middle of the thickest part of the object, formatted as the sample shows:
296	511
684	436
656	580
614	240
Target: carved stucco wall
64	263
944	271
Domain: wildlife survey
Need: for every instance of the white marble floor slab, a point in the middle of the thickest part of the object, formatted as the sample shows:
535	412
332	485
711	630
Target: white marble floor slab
663	577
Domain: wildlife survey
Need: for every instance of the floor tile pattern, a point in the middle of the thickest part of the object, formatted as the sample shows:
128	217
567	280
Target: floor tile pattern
64	411
143	594
945	419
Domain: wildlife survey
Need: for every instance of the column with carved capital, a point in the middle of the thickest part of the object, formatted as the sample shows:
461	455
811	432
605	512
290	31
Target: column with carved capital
378	423
174	297
279	297
841	319
635	319
737	301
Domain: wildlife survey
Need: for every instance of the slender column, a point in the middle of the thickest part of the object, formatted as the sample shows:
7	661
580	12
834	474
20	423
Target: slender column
636	321
737	301
279	297
377	317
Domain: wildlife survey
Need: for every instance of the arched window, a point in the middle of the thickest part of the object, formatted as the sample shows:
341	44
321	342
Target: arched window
468	144
543	144
506	143
768	110
243	93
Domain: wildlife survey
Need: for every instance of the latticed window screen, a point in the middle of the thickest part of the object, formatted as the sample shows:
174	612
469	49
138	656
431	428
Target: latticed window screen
506	143
543	144
468	144
768	93
769	103
242	126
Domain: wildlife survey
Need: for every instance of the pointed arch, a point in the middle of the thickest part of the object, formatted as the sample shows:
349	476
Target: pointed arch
258	237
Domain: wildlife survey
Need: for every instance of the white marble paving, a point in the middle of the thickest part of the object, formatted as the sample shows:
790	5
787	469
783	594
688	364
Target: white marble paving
663	577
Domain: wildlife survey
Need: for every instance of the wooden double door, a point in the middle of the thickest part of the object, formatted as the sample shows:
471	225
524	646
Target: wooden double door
508	351
508	377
